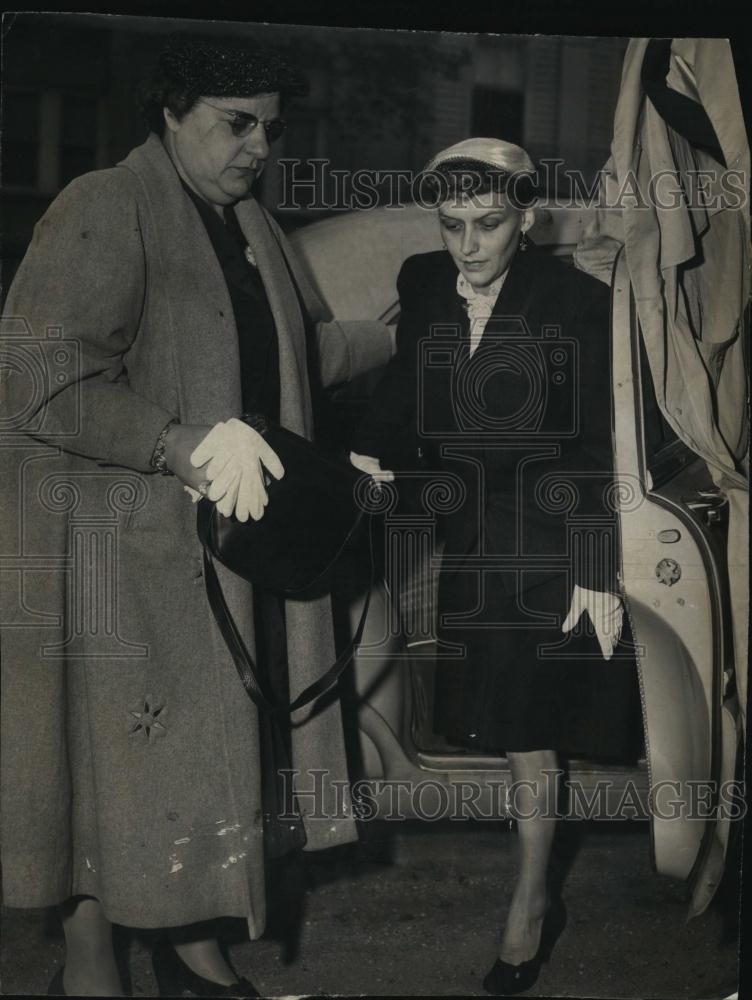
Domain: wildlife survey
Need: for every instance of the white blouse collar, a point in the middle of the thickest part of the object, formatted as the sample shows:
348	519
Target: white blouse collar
480	303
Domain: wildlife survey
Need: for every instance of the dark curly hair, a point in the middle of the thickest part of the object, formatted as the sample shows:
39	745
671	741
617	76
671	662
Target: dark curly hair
467	177
190	67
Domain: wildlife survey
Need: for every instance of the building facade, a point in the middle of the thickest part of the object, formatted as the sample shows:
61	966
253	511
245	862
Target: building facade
377	100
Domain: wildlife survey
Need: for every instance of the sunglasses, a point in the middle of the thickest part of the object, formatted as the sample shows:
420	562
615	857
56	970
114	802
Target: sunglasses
242	123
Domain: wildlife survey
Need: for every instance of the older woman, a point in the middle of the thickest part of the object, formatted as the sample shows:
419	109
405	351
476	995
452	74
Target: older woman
502	369
131	780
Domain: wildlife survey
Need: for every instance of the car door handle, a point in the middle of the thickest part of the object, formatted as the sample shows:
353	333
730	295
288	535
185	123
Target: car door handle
708	510
704	500
669	535
707	504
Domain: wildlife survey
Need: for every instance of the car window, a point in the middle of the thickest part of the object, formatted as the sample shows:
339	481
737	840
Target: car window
665	454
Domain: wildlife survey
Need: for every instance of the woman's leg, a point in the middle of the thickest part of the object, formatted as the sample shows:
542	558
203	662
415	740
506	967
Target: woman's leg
90	967
533	805
198	948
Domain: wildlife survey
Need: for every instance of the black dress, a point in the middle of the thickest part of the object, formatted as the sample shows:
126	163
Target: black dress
523	425
260	391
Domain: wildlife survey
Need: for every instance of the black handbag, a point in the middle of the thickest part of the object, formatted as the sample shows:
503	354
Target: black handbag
312	516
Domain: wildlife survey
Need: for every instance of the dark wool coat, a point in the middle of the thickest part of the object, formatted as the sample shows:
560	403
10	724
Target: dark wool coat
525	422
130	768
523	429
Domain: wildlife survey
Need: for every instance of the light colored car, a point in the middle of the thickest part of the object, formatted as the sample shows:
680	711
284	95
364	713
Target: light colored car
672	524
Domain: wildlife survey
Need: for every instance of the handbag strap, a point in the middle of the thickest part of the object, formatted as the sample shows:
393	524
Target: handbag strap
244	663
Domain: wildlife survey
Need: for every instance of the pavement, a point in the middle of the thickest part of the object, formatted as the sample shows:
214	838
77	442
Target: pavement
415	909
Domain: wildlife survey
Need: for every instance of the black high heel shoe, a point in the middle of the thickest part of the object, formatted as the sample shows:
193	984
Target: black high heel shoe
175	979
504	979
56	988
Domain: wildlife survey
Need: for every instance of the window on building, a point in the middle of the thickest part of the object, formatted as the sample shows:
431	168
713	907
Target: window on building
498	113
21	129
78	136
48	139
301	142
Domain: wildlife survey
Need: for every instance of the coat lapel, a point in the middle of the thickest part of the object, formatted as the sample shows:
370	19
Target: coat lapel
295	401
516	298
204	336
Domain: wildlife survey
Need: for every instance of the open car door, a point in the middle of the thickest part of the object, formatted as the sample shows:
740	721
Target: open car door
680	298
673	524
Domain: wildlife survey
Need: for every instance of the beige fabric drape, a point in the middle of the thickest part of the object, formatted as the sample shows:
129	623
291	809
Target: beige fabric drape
683	220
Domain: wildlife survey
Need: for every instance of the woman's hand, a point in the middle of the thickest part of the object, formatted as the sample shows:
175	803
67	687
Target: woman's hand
180	442
605	611
233	458
366	463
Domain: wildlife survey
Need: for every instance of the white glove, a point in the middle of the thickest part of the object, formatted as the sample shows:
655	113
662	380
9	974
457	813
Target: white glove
372	466
605	611
237	457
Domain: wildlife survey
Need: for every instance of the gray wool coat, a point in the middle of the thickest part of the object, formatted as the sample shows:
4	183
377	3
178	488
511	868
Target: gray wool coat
130	765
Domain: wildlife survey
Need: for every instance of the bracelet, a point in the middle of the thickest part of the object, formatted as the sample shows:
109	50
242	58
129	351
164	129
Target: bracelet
158	460
257	421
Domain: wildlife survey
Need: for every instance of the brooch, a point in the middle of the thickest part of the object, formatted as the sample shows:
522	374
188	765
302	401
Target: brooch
250	257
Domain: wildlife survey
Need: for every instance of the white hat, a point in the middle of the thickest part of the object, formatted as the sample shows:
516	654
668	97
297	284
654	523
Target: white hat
494	153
